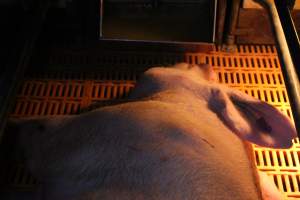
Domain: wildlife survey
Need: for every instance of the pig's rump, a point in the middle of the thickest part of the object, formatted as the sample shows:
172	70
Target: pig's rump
145	150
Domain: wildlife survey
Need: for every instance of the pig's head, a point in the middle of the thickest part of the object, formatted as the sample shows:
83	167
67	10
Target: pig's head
247	117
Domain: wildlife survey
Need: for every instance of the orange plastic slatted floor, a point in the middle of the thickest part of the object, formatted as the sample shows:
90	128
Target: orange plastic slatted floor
253	69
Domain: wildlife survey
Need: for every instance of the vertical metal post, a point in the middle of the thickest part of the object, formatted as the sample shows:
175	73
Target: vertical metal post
221	13
230	36
215	20
101	19
290	32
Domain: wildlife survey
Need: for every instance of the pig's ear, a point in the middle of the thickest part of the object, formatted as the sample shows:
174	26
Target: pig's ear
254	120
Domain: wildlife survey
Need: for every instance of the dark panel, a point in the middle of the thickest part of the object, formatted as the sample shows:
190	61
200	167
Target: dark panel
190	22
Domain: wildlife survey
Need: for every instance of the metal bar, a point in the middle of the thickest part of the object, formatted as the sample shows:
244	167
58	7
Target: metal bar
215	20
290	32
221	20
230	37
286	61
101	19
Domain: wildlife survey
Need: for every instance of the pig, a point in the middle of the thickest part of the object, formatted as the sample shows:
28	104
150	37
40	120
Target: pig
180	135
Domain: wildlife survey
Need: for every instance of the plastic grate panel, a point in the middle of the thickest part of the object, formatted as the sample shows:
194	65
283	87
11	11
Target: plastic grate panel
288	182
66	97
253	49
253	69
19	177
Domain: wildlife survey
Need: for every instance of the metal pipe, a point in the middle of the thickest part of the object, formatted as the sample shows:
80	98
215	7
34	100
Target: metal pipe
222	6
287	65
101	19
290	32
215	20
233	18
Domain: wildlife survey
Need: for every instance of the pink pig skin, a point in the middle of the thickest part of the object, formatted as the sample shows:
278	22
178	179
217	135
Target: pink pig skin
179	136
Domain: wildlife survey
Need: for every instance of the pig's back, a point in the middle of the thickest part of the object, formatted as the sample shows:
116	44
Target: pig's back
177	151
158	150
